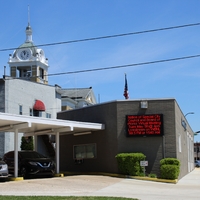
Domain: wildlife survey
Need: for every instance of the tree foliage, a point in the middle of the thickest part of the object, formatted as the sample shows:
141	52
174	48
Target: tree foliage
27	143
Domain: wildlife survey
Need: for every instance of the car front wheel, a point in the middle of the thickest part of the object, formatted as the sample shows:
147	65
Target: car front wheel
23	172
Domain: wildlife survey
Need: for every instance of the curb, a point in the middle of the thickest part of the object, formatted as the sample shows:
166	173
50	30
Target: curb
21	178
15	179
59	175
155	179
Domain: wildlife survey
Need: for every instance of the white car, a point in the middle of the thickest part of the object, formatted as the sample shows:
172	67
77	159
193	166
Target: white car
3	169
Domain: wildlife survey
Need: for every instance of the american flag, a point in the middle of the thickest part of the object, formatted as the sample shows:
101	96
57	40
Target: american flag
126	89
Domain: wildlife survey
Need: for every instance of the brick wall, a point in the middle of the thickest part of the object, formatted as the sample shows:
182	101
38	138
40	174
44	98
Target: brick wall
113	139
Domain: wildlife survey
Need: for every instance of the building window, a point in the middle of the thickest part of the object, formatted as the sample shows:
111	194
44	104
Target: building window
20	109
86	151
179	143
40	114
41	73
48	115
31	111
37	113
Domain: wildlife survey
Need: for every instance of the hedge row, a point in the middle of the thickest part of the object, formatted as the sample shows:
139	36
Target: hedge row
129	163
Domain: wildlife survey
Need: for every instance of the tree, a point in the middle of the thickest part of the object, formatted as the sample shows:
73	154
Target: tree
27	143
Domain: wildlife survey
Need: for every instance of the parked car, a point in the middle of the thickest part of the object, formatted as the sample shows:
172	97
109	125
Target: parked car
3	169
197	163
30	163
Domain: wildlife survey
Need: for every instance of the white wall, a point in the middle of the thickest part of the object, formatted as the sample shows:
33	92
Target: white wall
21	92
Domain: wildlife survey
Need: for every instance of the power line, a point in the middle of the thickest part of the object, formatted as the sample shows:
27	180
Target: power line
123	66
111	36
128	65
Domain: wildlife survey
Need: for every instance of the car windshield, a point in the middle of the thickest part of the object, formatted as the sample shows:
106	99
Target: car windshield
31	154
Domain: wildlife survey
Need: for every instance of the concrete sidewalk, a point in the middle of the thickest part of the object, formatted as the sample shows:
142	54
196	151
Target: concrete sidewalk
89	185
187	188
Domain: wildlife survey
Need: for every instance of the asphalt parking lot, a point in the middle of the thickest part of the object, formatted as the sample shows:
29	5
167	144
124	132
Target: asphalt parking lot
89	185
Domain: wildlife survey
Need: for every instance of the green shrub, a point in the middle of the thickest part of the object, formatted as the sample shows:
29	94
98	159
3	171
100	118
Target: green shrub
170	161
121	160
141	174
170	168
169	172
129	163
152	175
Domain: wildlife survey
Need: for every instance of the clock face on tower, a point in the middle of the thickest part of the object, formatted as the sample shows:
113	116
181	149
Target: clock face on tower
24	54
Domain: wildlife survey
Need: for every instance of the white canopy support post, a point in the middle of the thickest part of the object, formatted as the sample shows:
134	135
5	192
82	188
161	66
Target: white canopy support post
57	153
16	153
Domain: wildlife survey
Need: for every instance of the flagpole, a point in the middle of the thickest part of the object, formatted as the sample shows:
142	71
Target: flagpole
126	88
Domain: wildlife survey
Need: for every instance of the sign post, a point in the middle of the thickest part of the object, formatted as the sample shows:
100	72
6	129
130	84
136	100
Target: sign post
143	164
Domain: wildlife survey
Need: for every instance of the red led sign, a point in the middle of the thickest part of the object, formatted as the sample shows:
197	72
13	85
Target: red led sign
144	125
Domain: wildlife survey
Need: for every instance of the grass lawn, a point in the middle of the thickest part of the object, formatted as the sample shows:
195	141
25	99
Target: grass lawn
61	198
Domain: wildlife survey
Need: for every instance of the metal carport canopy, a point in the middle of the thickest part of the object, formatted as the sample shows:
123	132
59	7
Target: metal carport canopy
33	126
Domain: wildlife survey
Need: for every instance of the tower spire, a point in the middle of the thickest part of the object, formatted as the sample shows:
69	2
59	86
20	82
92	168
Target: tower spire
28	29
28	16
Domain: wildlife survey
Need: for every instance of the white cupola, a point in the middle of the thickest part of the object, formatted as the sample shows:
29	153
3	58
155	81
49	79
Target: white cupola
29	62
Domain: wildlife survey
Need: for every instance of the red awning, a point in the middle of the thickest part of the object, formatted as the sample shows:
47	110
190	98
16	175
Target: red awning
39	105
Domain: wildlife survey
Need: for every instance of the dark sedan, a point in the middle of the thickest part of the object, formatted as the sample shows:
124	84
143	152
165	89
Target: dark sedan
30	163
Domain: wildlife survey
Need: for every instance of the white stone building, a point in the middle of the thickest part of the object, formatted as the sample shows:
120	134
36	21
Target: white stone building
26	90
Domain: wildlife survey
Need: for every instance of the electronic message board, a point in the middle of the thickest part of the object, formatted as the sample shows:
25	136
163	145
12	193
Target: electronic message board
144	125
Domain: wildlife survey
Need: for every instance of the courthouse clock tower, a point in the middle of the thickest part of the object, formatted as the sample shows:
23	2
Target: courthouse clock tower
29	62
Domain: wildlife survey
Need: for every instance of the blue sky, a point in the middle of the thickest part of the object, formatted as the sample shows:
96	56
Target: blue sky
63	20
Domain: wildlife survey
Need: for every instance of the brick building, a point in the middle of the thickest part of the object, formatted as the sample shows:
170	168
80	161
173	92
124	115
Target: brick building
95	152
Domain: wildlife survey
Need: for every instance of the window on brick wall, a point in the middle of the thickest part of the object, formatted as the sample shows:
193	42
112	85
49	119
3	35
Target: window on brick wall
179	143
85	151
